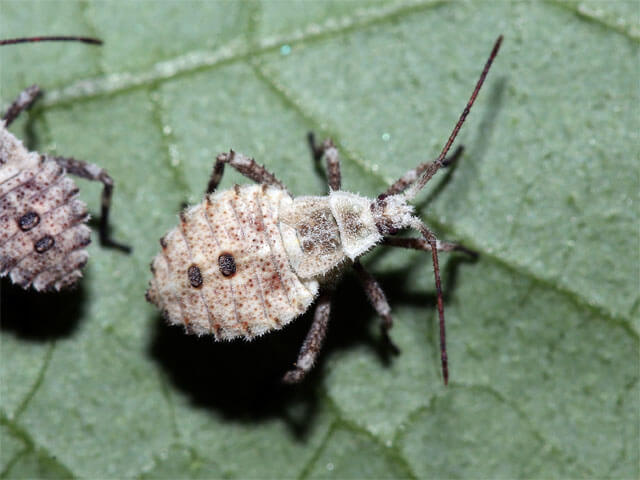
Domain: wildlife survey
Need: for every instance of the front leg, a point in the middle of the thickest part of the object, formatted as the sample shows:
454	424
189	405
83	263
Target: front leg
330	152
313	341
246	166
94	172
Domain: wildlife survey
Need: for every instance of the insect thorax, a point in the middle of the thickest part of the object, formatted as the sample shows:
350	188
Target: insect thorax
322	233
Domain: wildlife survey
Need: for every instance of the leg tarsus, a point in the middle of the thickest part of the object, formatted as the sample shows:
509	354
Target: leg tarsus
95	173
379	301
24	101
312	343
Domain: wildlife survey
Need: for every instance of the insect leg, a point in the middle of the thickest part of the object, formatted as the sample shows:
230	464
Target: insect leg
246	166
330	152
379	301
313	342
412	175
431	239
26	98
422	244
94	172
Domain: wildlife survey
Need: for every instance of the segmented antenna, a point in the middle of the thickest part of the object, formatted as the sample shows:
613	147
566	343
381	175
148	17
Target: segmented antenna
51	38
413	190
429	172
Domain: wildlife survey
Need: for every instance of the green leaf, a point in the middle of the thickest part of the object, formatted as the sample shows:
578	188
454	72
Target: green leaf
542	329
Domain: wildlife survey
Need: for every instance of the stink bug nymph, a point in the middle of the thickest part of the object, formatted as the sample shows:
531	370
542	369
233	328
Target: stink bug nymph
251	259
43	223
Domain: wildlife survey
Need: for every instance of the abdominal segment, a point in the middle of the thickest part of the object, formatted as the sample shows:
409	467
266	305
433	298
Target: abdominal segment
224	269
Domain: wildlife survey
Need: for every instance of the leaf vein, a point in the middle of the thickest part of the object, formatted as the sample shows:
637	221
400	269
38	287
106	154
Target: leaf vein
581	11
38	449
36	385
196	61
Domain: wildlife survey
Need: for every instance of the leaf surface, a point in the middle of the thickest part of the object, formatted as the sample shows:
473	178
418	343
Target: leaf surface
542	329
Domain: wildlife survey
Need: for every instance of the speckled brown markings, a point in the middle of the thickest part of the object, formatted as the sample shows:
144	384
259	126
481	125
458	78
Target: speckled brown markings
43	231
226	303
42	222
258	257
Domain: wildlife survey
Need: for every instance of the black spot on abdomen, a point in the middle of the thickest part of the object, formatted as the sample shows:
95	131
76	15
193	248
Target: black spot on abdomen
195	276
44	244
227	264
28	221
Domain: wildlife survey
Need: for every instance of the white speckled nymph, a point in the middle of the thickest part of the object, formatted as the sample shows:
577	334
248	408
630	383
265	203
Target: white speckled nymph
251	259
43	231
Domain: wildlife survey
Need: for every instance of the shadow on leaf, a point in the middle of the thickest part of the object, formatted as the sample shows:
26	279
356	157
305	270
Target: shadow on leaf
241	380
40	316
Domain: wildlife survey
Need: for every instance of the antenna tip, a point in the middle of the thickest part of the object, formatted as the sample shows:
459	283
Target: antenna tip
52	38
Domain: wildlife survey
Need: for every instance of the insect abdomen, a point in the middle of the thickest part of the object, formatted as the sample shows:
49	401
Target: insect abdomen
224	270
42	226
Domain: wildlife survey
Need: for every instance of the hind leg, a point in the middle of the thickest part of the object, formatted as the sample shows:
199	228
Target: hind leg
313	342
